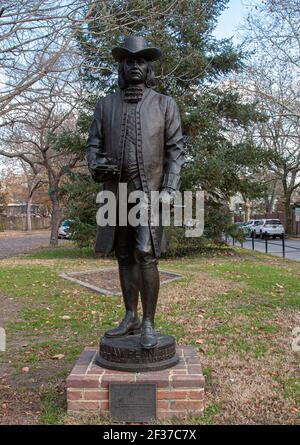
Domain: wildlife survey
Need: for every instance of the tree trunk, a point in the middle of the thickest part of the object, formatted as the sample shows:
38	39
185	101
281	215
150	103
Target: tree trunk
246	212
287	205
56	217
246	208
288	214
269	196
28	214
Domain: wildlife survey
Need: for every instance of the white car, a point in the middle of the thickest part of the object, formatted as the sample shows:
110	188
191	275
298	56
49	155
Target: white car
252	226
64	229
271	227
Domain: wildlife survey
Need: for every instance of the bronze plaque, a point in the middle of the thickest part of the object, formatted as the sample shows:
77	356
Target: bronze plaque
132	402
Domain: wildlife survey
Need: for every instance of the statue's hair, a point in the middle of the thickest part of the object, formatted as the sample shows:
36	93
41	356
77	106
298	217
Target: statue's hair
149	76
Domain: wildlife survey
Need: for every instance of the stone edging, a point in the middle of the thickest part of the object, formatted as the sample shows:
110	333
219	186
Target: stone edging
70	276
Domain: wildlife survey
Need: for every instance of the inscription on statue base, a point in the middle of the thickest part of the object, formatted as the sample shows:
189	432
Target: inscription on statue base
132	402
126	354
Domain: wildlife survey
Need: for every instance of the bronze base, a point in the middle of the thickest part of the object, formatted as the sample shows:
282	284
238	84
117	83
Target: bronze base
126	354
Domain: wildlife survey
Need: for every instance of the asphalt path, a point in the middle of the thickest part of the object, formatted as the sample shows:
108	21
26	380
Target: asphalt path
22	242
275	247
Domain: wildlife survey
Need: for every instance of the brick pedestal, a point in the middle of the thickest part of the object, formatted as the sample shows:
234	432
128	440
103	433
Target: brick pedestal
180	390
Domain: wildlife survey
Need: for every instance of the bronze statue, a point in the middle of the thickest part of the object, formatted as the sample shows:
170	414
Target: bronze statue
136	138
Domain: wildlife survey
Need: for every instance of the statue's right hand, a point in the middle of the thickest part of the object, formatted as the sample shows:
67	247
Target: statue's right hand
102	172
95	176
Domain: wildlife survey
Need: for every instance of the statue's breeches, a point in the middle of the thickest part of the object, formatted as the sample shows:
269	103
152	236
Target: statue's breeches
134	244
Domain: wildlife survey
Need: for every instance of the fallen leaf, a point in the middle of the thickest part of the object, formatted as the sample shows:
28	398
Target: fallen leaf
58	356
200	341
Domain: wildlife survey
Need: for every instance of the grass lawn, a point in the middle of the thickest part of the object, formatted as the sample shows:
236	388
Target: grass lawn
238	308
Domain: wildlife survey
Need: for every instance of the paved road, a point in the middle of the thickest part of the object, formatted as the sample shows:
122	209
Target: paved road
18	243
275	247
15	244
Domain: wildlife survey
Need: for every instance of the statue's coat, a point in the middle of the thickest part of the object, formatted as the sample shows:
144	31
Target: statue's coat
159	144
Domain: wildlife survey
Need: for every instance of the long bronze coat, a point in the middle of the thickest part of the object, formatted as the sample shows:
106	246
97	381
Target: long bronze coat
159	148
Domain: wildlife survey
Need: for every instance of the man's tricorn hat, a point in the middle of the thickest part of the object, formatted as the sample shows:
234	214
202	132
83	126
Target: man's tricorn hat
134	46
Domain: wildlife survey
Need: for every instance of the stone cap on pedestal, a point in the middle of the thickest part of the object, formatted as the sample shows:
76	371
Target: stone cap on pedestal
125	354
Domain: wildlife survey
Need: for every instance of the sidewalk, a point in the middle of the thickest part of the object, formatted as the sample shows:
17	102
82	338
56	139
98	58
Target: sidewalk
21	233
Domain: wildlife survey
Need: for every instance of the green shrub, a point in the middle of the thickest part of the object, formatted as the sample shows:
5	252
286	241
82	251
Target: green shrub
179	245
81	208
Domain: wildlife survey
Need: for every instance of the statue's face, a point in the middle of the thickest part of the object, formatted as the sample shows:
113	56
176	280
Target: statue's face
135	70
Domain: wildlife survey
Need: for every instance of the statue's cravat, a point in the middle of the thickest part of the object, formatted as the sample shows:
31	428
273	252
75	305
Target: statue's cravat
134	93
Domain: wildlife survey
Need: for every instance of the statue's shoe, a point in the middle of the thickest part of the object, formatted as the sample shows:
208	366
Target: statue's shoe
148	336
126	327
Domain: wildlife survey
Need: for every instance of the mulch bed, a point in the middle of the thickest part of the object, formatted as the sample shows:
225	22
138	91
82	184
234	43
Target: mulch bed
108	279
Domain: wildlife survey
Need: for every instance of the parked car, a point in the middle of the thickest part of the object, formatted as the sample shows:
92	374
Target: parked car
271	227
252	227
64	229
242	226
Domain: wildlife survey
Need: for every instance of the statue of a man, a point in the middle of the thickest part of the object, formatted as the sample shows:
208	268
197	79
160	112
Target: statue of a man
136	138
